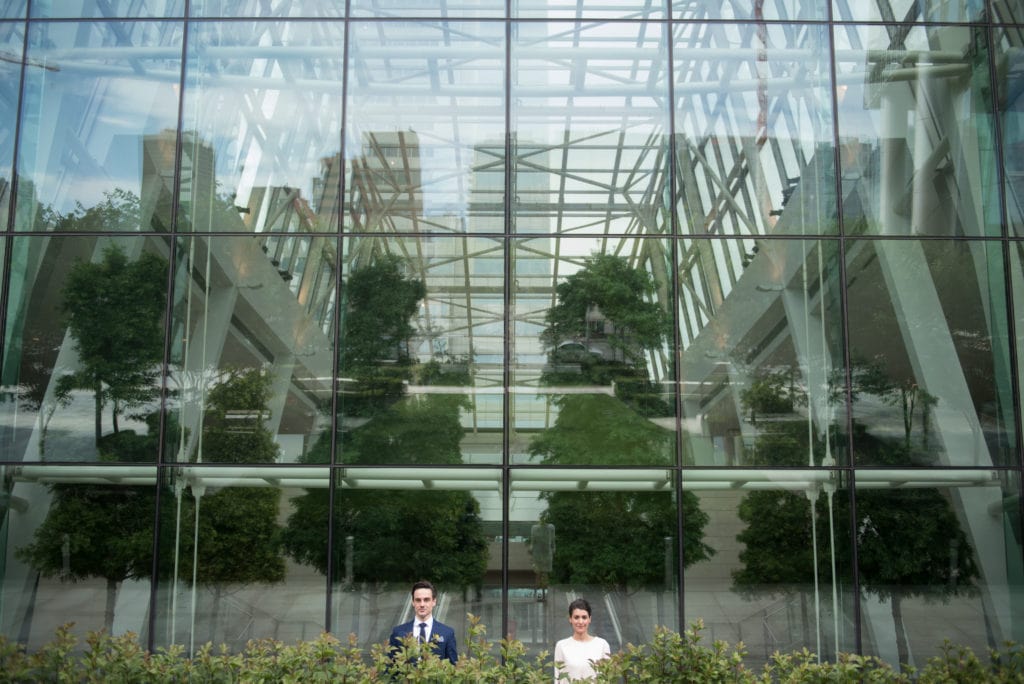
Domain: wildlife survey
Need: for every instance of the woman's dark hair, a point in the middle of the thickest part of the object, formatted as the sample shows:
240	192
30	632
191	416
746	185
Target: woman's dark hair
579	604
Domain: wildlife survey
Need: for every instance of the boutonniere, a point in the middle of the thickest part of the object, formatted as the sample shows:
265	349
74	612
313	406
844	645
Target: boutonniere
440	638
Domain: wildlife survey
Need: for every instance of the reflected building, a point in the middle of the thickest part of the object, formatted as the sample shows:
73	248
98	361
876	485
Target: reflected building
702	311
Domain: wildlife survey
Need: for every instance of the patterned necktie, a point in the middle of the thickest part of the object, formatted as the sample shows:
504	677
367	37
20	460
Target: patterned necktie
423	632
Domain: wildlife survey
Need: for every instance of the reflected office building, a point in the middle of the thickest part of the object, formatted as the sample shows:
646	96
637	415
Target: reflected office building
697	310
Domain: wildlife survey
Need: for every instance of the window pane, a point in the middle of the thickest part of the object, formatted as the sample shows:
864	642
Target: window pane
266	8
13	9
762	357
791	10
89	9
939	558
395	526
227	578
78	549
929	353
590	128
84	347
592	380
754	149
464	9
1010	54
426	117
915	131
12	41
1007	11
251	351
262	127
778	581
589	9
97	125
908	11
607	536
421	360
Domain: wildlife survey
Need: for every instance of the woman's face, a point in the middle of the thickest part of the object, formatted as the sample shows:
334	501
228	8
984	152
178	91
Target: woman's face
580	621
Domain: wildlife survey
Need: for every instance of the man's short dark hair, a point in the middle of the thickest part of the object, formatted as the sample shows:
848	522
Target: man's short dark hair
579	604
424	584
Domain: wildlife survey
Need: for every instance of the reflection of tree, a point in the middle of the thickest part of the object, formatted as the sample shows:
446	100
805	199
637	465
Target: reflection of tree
114	312
909	541
239	537
611	539
397	536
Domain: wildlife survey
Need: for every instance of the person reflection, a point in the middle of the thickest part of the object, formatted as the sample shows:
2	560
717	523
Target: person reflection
575	656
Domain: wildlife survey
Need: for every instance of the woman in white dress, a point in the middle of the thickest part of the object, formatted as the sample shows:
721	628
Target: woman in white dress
575	656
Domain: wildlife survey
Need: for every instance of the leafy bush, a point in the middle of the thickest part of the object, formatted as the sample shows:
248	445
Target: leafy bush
669	657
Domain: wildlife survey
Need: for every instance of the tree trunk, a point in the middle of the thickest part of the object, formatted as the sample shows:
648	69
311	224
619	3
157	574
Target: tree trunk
108	612
99	412
901	635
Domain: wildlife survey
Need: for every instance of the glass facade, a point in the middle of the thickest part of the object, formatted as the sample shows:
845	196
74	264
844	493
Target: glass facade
694	309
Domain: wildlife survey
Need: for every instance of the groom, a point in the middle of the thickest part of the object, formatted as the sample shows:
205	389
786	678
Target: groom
424	627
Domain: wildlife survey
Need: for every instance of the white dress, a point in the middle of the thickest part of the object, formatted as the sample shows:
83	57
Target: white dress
573	657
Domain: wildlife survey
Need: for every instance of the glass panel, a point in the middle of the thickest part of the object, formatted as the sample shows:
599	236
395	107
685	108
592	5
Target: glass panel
252	350
790	10
77	543
426	118
1016	278
590	128
592	380
395	526
762	356
12	42
418	8
909	11
262	127
779	582
607	536
97	126
939	556
91	9
754	149
13	9
421	362
83	349
929	353
1010	74
266	8
1007	11
915	131
589	9
222	551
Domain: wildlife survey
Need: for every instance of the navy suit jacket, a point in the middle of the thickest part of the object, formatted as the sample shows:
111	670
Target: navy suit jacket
442	639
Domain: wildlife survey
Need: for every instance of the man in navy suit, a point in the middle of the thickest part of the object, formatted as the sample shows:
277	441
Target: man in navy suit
424	627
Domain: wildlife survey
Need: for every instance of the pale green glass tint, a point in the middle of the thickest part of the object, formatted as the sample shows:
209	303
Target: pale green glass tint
426	125
607	536
252	350
463	9
590	126
396	526
916	148
83	349
12	41
262	118
754	150
592	379
909	11
1010	80
96	145
589	9
1007	11
939	558
111	9
225	558
929	354
78	549
779	580
785	10
1016	277
761	361
421	356
270	9
14	9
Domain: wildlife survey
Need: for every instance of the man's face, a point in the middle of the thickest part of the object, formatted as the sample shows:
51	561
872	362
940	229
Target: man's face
423	603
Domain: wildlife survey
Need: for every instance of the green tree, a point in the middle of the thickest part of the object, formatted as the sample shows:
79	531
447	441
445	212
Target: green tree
610	539
114	310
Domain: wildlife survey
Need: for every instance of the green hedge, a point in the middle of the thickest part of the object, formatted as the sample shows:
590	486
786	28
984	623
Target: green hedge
669	657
